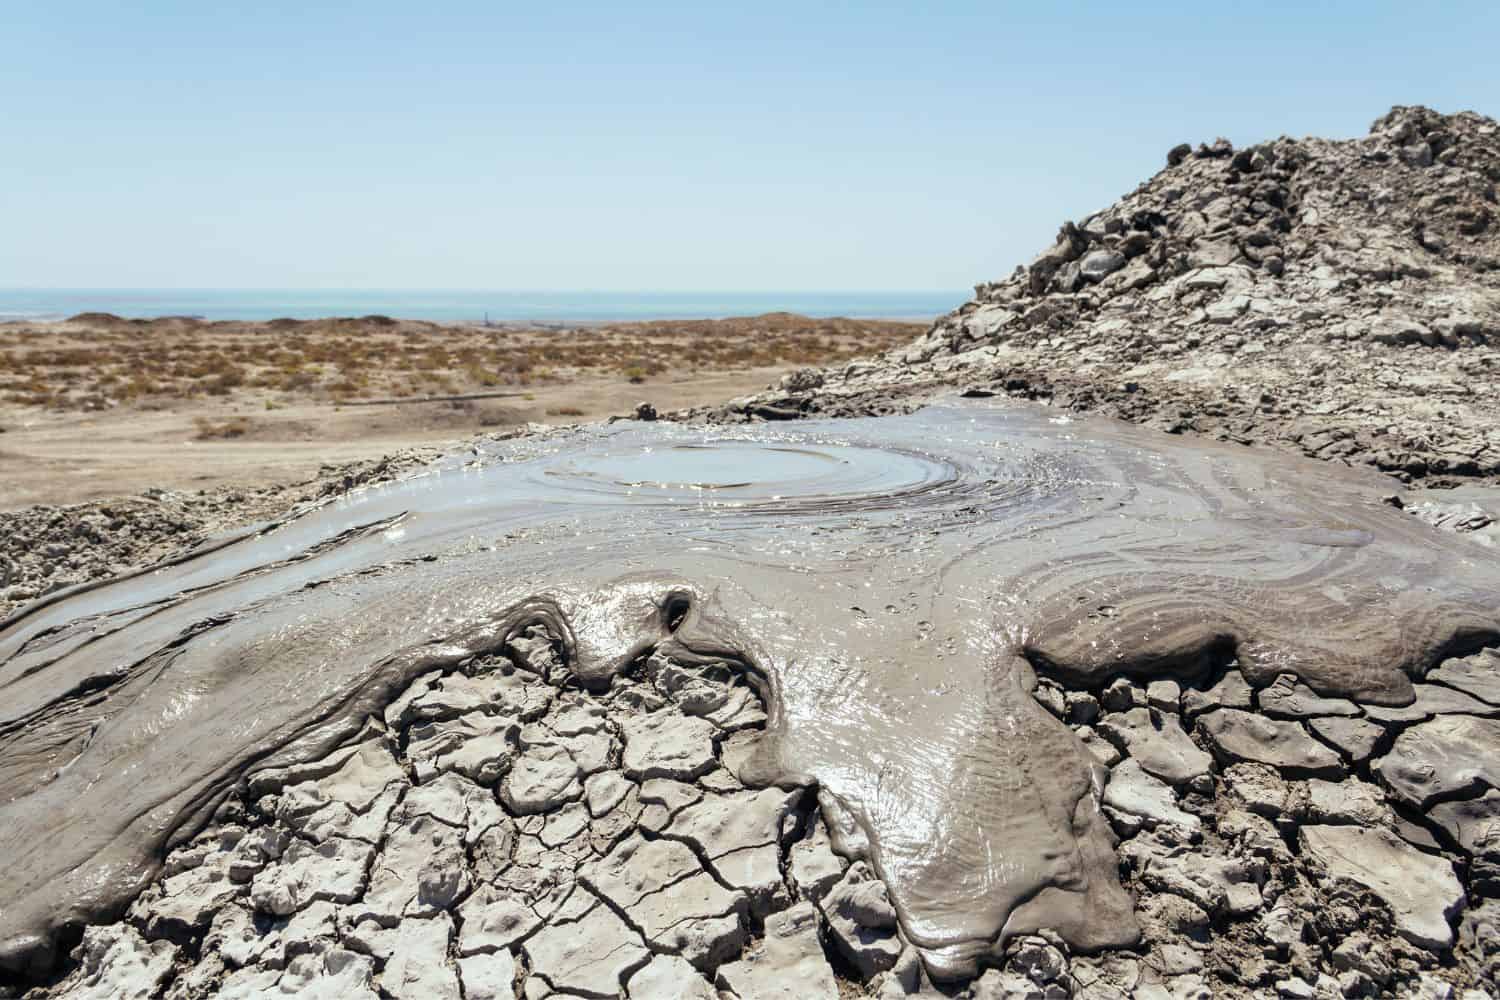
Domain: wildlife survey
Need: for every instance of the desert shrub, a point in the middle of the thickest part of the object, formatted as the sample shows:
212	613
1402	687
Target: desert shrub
208	430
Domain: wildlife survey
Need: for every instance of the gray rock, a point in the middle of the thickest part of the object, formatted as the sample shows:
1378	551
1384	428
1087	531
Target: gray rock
1289	698
1355	737
1102	750
1164	695
1432	700
1133	792
1100	264
1423	893
1231	691
813	866
863	921
1442	758
787	963
1082	707
1347	801
1121	696
1476	676
1158	743
1285	745
1474	824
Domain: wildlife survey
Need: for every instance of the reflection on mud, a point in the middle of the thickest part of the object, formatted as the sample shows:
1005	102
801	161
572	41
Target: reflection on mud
889	584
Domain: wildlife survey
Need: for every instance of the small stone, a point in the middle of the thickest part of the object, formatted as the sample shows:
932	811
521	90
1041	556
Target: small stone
1121	696
863	921
1164	695
813	865
1285	745
1082	707
1134	792
1103	750
1288	698
1156	741
1295	989
1099	264
1355	737
1231	691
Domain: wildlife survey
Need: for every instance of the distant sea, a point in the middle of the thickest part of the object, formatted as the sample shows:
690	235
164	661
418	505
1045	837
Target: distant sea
467	306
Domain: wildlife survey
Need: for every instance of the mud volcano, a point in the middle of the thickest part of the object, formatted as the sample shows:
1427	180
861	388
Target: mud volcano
891	587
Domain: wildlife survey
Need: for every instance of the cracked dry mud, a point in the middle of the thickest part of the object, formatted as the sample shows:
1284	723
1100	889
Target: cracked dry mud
967	700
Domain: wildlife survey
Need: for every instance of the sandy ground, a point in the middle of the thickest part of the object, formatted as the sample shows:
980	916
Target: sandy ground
95	408
67	457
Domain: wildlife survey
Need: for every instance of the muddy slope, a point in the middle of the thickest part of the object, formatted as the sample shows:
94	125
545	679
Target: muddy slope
1006	544
1333	298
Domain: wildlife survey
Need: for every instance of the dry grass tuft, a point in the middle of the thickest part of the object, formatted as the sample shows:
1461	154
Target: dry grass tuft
225	430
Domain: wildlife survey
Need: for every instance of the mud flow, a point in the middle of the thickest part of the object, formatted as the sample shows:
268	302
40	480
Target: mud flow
890	587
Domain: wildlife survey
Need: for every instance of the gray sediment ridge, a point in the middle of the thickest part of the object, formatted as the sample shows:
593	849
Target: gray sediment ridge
878	683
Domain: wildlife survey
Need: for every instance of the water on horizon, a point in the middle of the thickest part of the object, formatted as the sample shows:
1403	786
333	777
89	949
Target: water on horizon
466	306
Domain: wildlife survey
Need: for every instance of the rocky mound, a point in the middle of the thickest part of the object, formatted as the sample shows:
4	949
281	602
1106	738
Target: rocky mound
1340	298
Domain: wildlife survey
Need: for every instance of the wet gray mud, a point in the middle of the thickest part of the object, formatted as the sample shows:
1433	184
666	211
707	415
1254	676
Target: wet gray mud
890	586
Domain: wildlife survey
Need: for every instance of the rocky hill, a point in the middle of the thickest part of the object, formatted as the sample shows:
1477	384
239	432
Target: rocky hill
1340	298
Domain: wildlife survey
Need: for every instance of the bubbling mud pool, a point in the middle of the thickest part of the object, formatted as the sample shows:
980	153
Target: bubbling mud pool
890	586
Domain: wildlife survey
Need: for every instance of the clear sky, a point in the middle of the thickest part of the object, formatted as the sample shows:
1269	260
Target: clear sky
647	146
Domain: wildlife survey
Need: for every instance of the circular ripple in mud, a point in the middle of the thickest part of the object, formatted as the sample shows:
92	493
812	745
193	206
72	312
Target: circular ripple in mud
739	473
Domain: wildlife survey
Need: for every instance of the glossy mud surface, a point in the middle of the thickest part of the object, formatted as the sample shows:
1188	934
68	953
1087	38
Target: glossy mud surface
890	584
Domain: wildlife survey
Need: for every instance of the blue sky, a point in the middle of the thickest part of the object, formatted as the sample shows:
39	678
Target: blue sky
649	146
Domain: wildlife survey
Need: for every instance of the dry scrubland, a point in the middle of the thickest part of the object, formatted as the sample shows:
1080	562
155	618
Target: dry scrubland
99	404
